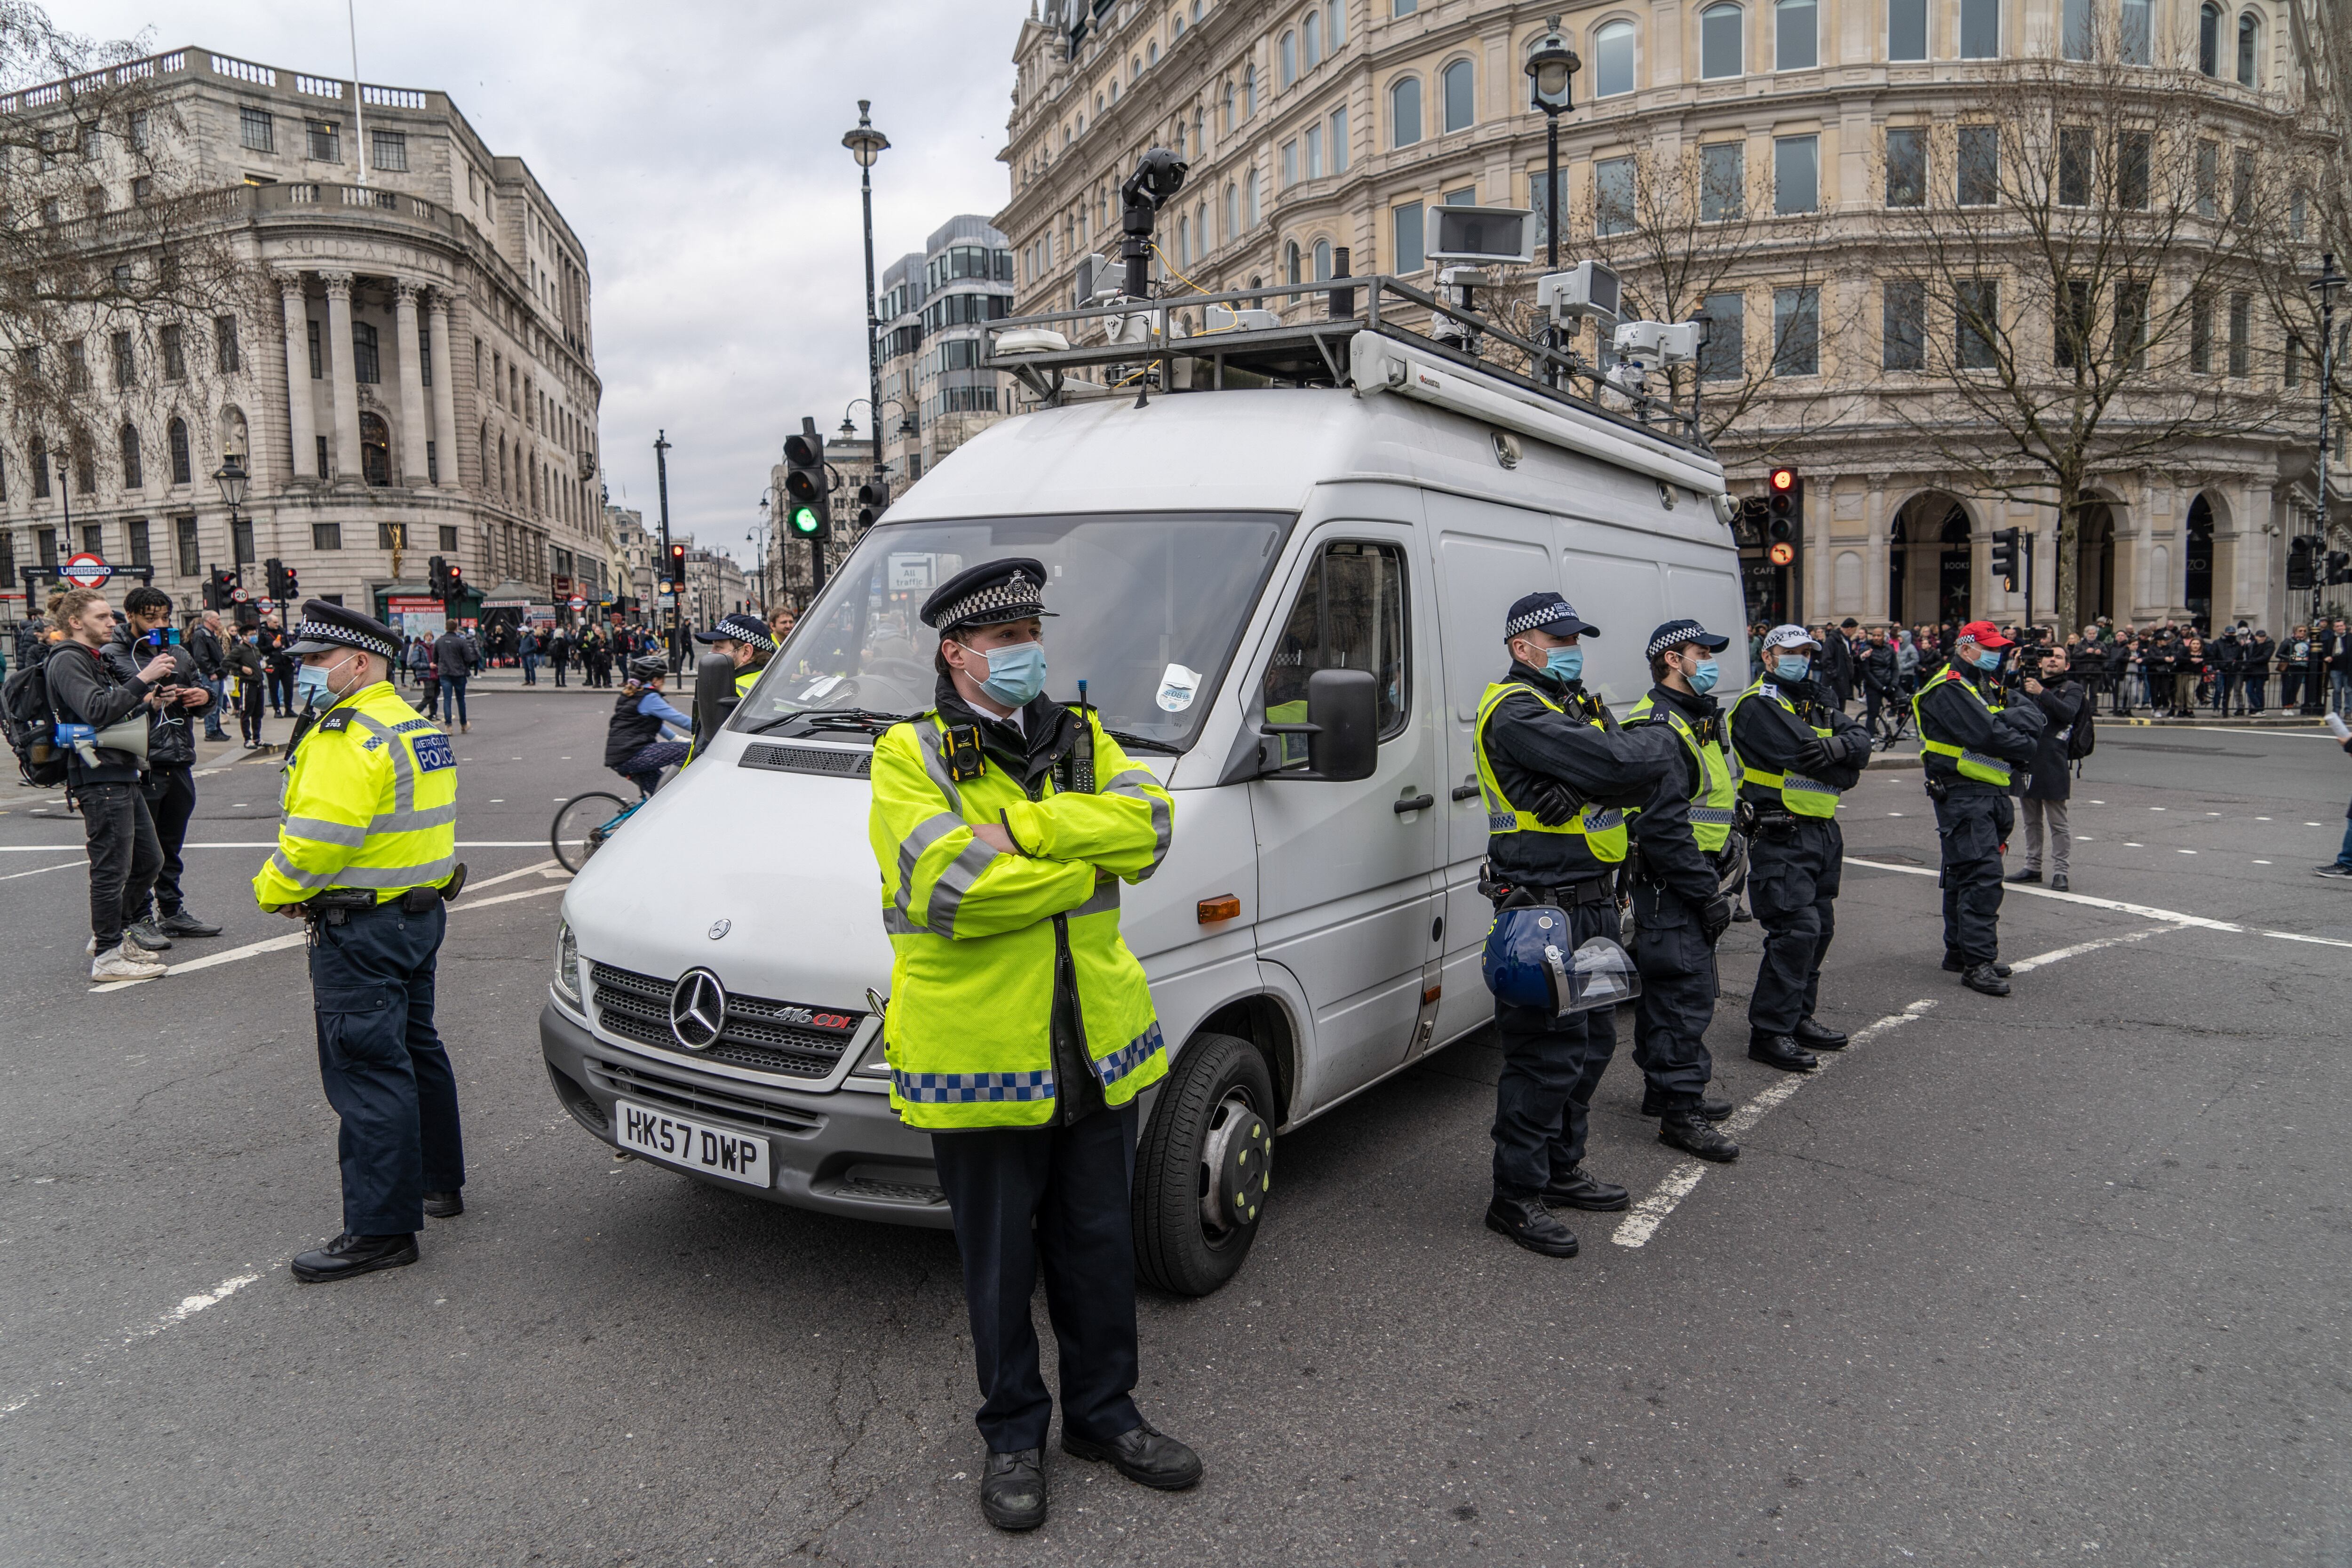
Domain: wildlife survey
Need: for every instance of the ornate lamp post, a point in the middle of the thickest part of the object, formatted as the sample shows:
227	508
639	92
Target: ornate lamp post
865	144
1551	67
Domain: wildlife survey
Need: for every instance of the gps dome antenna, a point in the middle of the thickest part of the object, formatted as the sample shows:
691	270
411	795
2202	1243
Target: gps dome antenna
1156	180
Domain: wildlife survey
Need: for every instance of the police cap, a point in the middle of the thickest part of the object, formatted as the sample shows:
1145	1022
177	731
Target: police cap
325	627
988	594
742	628
1674	634
1547	611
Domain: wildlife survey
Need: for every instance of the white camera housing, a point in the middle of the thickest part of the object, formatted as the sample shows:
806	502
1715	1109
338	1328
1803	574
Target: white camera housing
1656	342
1494	236
1589	288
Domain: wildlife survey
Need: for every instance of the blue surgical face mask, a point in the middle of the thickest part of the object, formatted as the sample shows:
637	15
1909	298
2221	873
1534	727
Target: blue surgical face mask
1793	667
1988	659
311	687
1703	678
1564	663
1015	674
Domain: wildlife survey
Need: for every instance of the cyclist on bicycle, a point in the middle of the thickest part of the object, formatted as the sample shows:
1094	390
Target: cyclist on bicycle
634	743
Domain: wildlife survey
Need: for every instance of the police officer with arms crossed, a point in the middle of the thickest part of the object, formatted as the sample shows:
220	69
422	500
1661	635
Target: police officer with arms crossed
1556	774
367	848
1797	754
1681	837
1971	739
1019	1028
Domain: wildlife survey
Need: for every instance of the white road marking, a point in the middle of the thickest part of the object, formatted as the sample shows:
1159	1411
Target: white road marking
62	866
191	1305
2148	911
1641	1223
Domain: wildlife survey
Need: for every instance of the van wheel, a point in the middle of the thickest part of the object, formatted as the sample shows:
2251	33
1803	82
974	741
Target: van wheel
1204	1166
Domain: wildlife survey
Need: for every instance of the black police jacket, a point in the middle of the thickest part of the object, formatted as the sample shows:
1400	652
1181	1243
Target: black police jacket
1607	766
1951	715
1768	738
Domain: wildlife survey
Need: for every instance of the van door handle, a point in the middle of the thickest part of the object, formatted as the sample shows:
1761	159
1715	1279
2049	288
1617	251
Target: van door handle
1412	802
1465	791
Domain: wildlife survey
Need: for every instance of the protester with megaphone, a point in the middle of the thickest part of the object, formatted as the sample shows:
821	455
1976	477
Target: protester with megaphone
102	777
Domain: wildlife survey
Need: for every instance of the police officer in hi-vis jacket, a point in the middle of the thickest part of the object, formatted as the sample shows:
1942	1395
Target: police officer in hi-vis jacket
1019	1028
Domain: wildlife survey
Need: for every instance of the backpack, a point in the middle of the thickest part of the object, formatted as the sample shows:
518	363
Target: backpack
2082	736
30	725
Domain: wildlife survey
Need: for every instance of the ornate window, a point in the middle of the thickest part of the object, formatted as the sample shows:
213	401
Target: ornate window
1722	46
1461	96
1612	60
1404	111
1796	34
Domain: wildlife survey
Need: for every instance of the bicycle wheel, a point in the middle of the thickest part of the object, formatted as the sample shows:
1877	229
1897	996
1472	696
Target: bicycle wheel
580	827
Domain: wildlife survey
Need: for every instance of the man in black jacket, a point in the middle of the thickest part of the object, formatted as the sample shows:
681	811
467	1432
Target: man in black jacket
2254	679
1556	774
170	788
453	663
204	645
2044	791
1877	668
1797	754
104	783
1971	741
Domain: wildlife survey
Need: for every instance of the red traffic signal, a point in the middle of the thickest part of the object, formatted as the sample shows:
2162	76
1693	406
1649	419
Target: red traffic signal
1783	480
1784	504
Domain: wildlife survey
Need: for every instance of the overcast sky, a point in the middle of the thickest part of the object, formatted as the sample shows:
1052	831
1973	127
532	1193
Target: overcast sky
695	148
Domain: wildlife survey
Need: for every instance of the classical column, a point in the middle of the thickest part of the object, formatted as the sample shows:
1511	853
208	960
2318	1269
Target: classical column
345	375
413	428
302	420
445	390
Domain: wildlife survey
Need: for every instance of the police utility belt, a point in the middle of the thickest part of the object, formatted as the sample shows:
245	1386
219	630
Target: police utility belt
1507	894
336	906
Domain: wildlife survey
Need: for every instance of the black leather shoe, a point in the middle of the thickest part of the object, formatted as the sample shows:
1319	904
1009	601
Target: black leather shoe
1986	977
180	922
1581	1190
1528	1223
348	1255
1013	1490
1146	1455
2030	874
1954	963
1713	1110
2058	882
1693	1135
1782	1051
1816	1036
444	1205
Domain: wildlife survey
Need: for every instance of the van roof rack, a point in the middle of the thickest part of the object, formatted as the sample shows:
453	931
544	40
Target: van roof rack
1142	344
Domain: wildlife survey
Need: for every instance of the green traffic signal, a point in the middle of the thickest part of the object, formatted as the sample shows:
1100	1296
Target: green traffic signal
804	520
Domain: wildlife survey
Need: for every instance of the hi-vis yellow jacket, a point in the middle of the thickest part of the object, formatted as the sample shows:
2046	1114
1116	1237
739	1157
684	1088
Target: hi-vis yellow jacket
369	800
977	934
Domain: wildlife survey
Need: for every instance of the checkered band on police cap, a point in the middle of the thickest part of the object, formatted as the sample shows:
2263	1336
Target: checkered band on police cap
988	594
324	625
1548	611
742	628
1789	637
1674	634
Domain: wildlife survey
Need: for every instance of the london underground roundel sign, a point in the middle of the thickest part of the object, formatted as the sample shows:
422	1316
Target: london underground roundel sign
86	570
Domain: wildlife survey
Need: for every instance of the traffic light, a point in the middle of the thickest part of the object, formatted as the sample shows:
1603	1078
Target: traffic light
1784	506
677	568
2004	557
873	500
2339	567
808	503
279	578
220	589
293	587
2300	577
443	579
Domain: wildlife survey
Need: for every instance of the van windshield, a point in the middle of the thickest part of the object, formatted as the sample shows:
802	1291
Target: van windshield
1146	608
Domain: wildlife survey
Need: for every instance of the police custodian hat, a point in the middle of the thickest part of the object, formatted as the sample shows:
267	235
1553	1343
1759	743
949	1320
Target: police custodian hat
1674	634
325	627
1547	611
742	628
988	594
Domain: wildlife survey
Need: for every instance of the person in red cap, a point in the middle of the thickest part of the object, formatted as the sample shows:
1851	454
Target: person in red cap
1972	742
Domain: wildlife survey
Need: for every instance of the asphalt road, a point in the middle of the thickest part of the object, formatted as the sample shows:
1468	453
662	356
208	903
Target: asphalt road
2055	1278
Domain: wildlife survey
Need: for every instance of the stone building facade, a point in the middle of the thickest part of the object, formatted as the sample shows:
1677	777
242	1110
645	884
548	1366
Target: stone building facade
1319	134
421	380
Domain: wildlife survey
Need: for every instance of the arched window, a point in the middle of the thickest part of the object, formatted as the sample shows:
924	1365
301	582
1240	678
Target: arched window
133	476
1151	51
1201	228
375	450
2137	36
1613	60
183	464
1230	120
1461	107
1310	41
2250	40
506	480
1176	25
1290	269
1797	35
1114	89
1249	190
1135	66
1233	212
1404	111
1336	35
1721	48
1322	261
2209	40
1249	91
1289	56
1180	137
1201	130
1183	242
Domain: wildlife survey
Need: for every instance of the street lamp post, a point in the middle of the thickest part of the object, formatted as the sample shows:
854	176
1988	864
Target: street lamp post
677	589
865	144
1551	67
2326	284
231	478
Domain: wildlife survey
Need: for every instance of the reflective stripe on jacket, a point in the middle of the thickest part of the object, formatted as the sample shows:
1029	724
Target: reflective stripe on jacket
369	801
1955	759
976	935
1715	802
1602	828
1801	796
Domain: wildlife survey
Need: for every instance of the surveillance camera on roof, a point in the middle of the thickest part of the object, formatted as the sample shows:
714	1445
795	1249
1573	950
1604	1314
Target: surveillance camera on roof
1589	288
1500	235
1648	343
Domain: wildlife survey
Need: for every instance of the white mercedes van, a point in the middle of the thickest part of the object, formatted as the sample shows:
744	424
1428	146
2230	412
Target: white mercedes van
721	962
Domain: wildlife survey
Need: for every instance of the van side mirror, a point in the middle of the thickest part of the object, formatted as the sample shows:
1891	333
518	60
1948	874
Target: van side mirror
714	694
1342	729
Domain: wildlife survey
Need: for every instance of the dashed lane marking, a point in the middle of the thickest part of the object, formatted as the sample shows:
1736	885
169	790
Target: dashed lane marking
2147	910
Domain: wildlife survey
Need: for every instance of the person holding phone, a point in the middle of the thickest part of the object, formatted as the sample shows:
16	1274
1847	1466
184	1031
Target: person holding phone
169	784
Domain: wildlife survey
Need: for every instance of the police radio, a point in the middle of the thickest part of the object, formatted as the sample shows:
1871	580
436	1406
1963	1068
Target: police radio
1077	769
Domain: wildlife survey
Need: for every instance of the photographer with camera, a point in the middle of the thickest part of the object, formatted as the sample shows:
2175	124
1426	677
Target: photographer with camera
2046	787
102	781
169	786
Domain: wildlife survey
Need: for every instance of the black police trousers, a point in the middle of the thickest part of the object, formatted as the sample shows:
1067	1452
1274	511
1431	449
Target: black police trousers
1543	1101
385	1072
1792	886
1677	1000
1057	1197
1971	823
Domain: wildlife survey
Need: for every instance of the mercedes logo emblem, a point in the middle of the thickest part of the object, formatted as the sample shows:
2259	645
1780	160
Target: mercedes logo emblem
697	1010
719	928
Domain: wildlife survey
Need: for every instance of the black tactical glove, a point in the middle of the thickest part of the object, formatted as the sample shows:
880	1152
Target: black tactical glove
1715	919
1814	756
1857	748
1554	803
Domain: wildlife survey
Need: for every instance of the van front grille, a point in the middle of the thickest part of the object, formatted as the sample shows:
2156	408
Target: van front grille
760	1034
